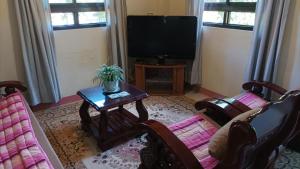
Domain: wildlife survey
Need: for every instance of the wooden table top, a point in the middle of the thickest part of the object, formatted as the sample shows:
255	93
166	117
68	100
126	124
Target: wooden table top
100	101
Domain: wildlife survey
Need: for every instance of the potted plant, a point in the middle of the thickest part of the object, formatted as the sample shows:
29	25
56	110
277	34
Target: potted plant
109	77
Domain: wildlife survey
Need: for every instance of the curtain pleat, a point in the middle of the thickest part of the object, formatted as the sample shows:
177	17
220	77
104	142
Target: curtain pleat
116	11
270	23
196	8
38	50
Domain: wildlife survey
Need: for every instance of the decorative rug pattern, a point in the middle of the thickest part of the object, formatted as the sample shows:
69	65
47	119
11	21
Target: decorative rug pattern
77	149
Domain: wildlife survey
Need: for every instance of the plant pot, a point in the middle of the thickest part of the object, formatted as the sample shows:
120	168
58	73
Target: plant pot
111	86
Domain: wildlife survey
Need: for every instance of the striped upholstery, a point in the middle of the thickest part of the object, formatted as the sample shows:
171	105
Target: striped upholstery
251	100
195	133
19	147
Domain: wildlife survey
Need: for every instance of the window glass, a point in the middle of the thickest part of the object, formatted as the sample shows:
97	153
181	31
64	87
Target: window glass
90	1
236	14
91	17
213	16
60	1
61	19
73	14
242	18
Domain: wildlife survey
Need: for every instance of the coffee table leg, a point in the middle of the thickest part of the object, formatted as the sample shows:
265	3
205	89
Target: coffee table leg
143	113
84	115
103	125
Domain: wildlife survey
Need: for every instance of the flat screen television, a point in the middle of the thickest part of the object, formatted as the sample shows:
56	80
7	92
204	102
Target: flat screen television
162	36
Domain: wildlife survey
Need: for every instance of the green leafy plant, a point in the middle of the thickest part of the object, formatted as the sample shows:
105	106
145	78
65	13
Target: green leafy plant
108	74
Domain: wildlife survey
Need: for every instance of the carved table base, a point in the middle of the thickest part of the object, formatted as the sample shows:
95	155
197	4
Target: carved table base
114	124
112	127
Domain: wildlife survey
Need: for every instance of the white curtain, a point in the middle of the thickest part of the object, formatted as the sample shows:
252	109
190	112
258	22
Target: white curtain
116	14
270	23
196	8
37	42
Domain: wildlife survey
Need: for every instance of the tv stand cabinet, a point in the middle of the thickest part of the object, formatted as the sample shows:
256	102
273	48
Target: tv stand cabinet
166	79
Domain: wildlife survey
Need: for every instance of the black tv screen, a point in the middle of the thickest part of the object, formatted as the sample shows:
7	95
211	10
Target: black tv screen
156	36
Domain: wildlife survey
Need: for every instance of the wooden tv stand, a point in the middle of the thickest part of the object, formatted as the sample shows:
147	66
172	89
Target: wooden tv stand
160	79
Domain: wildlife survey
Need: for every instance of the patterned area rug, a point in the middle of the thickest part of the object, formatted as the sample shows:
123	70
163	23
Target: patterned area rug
77	149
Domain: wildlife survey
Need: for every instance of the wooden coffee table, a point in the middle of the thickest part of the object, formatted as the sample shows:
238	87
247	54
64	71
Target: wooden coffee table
114	124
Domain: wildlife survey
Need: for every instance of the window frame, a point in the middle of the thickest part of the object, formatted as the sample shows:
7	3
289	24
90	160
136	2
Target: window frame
75	8
228	7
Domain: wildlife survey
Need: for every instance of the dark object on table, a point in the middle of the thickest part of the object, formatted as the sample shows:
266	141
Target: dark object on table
115	124
251	144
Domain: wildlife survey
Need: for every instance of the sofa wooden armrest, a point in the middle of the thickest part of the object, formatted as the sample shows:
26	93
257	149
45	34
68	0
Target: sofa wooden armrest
257	87
170	148
10	86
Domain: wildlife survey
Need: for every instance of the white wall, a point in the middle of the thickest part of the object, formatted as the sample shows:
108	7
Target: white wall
177	7
11	67
144	7
225	54
79	53
289	71
155	7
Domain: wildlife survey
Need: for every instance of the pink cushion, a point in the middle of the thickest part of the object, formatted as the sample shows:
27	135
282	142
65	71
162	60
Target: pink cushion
251	100
195	133
218	143
19	147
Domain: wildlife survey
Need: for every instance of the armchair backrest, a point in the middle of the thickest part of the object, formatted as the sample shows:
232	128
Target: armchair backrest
252	143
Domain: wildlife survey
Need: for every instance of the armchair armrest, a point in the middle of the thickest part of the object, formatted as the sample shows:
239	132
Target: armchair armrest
172	144
10	86
227	106
259	85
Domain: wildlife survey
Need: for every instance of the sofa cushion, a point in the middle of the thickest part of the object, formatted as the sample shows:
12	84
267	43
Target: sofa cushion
251	100
195	133
218	143
19	147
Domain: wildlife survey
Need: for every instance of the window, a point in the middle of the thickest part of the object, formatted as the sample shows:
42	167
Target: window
237	14
70	14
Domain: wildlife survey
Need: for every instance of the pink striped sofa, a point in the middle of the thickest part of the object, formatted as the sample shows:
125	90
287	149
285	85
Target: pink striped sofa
19	147
22	142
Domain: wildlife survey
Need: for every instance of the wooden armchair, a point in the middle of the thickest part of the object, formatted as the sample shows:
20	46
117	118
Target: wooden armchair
223	110
253	143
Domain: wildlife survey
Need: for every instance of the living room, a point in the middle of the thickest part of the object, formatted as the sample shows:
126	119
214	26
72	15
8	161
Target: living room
225	55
